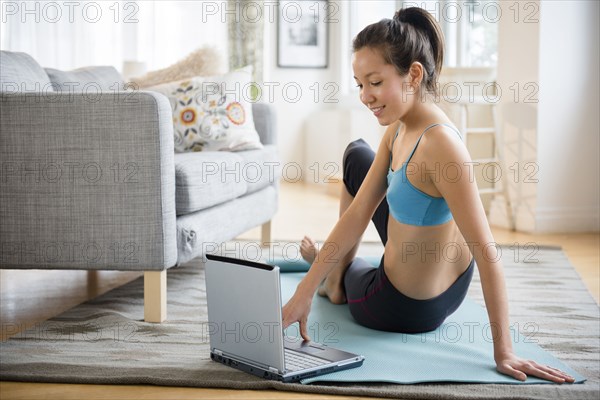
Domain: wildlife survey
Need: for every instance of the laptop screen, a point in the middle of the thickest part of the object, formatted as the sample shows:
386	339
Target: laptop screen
244	310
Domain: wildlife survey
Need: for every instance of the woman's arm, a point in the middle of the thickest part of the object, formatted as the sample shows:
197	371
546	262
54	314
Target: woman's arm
461	193
344	235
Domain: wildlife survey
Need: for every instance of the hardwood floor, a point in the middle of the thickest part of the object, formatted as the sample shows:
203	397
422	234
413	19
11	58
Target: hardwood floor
30	296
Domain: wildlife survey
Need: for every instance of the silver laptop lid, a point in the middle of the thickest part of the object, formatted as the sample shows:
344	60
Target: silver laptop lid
244	310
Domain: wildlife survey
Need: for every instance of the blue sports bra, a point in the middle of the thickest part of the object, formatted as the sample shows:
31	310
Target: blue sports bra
410	205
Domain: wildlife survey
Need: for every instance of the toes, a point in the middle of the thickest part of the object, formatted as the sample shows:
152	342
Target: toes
308	251
308	246
306	243
308	240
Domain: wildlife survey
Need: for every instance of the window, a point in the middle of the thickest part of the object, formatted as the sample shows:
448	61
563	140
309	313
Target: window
471	31
482	34
363	13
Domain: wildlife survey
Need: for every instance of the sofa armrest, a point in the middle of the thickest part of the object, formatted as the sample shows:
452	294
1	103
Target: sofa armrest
87	181
265	121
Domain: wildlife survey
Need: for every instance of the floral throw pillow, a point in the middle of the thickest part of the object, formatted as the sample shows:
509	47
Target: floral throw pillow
212	113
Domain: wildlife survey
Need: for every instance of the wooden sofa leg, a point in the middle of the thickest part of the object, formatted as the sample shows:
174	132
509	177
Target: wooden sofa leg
155	296
266	233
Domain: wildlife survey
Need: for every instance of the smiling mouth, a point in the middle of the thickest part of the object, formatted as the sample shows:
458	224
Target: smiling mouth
376	110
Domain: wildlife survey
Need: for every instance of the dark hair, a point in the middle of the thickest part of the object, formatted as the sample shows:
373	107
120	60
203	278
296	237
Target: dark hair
412	35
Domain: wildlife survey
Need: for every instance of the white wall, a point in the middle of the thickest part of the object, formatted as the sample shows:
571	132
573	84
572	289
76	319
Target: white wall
551	144
294	91
294	107
568	117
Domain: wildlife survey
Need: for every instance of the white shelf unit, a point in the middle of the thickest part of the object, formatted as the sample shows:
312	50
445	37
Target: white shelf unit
470	131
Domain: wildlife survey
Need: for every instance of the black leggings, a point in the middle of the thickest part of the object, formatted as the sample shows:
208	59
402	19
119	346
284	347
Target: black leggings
374	302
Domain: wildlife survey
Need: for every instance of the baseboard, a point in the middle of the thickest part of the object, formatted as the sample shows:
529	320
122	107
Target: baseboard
567	219
332	187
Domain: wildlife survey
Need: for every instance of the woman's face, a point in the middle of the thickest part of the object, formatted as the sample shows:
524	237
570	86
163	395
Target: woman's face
382	89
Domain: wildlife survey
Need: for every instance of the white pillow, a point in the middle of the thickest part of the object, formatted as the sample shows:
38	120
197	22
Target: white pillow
213	113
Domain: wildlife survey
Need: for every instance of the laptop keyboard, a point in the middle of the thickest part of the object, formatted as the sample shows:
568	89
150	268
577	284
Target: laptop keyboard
295	361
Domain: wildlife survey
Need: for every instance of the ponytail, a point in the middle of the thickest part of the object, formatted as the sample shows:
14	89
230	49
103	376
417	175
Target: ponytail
412	35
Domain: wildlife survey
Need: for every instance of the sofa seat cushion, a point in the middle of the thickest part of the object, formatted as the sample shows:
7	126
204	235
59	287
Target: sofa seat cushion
260	168
205	179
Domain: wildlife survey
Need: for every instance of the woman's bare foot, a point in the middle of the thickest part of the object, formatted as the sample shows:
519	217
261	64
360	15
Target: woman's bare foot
332	288
308	249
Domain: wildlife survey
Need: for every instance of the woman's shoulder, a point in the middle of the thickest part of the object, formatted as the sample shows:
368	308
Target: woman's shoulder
443	130
442	140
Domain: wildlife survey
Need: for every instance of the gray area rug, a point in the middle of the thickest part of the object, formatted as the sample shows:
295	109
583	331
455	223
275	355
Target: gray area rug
105	340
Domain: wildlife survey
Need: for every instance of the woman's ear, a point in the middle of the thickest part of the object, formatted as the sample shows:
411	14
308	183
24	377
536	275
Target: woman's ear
416	73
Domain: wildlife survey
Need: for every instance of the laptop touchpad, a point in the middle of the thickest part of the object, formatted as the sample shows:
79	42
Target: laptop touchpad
311	349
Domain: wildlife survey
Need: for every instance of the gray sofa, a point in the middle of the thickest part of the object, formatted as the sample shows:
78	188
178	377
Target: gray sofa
89	178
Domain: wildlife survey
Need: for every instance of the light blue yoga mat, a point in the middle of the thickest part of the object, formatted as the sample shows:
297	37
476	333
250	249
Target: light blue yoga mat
461	350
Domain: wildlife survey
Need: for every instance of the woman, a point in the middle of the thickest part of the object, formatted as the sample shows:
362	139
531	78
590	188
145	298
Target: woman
422	197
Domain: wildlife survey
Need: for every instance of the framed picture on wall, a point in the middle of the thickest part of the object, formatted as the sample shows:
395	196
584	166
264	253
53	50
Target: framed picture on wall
302	34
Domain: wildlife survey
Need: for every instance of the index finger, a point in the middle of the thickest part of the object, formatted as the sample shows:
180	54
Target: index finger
303	331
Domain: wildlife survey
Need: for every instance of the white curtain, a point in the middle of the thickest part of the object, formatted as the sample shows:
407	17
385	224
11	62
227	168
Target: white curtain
246	36
67	35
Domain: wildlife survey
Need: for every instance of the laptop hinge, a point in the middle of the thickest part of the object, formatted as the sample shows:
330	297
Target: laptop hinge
273	370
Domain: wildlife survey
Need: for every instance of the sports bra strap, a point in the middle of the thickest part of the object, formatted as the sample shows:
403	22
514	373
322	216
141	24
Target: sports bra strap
392	147
418	140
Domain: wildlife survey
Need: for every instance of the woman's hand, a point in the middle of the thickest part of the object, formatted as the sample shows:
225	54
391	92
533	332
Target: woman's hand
297	310
519	368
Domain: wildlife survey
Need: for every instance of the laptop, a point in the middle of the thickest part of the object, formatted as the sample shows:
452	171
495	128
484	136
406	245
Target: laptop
245	327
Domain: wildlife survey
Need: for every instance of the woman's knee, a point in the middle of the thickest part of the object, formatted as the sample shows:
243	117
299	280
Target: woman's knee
357	160
354	149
